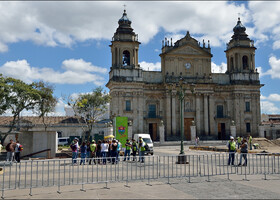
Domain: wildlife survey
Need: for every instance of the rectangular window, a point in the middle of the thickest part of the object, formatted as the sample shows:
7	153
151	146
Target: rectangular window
248	127
247	106
152	111
127	105
220	111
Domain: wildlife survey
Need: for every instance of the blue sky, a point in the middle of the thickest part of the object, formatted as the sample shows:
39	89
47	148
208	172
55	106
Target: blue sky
67	43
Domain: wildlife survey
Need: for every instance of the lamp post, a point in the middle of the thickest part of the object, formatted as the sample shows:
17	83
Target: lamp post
181	96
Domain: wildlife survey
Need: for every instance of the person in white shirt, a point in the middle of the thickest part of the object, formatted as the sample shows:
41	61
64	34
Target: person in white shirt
17	152
104	150
0	147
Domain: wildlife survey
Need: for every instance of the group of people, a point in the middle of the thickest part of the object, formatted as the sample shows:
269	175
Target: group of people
13	151
106	151
243	144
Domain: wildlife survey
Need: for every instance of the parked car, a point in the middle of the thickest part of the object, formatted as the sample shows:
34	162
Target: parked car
62	141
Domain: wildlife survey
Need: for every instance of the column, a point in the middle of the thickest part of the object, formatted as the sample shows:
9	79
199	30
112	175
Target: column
212	123
161	133
206	129
197	112
261	131
173	114
168	114
193	133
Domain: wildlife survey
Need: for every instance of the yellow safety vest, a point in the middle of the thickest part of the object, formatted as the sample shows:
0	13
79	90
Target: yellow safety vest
232	145
92	147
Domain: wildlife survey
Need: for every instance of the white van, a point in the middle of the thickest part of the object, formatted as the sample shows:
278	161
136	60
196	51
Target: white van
147	139
62	141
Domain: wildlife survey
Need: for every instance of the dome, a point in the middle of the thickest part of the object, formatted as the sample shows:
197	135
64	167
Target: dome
239	28
124	19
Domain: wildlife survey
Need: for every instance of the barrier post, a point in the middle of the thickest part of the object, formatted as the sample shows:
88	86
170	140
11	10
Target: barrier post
30	192
58	184
208	180
3	183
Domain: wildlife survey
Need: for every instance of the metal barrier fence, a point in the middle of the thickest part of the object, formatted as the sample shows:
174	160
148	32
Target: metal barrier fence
62	172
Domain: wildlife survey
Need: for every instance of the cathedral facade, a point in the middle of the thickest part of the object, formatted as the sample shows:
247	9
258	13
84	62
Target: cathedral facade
211	101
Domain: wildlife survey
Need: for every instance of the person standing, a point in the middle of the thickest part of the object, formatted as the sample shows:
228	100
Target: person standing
114	152
134	149
10	148
239	139
250	141
118	149
127	150
104	151
231	149
75	149
98	151
0	147
141	148
88	157
93	150
244	152
196	141
17	151
83	150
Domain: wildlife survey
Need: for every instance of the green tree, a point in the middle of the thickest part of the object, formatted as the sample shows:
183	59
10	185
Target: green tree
90	107
17	96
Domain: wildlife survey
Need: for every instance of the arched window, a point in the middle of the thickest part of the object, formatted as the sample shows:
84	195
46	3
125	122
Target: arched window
245	62
231	63
126	58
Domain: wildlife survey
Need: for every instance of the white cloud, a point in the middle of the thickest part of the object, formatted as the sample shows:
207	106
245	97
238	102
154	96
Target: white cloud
218	68
81	65
269	107
274	71
266	19
271	97
64	23
77	72
150	66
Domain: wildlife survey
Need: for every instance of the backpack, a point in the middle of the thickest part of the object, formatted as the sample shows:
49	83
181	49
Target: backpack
73	147
147	148
20	148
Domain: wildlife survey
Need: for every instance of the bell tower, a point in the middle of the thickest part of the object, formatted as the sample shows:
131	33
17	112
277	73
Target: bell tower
240	51
125	45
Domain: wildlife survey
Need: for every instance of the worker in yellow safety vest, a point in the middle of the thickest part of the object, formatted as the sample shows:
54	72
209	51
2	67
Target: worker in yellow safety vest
93	151
231	149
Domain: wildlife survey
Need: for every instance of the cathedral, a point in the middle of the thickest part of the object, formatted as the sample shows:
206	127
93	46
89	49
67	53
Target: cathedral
185	92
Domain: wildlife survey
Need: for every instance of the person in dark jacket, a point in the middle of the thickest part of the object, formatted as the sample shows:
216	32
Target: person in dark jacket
10	148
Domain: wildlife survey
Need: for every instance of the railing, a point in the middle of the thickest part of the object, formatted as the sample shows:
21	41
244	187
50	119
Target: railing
62	172
35	153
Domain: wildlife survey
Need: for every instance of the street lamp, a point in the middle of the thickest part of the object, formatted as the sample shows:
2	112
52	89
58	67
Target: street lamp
181	96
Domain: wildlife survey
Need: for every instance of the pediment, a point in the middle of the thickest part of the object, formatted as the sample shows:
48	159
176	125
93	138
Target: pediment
188	50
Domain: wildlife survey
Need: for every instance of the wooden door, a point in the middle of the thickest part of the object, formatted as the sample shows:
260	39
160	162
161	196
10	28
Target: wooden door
221	131
187	128
153	131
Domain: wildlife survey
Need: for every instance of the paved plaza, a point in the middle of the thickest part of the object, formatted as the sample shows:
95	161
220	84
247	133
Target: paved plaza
231	186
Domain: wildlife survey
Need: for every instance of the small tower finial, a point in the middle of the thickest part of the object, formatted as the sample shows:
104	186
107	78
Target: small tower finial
124	7
238	16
